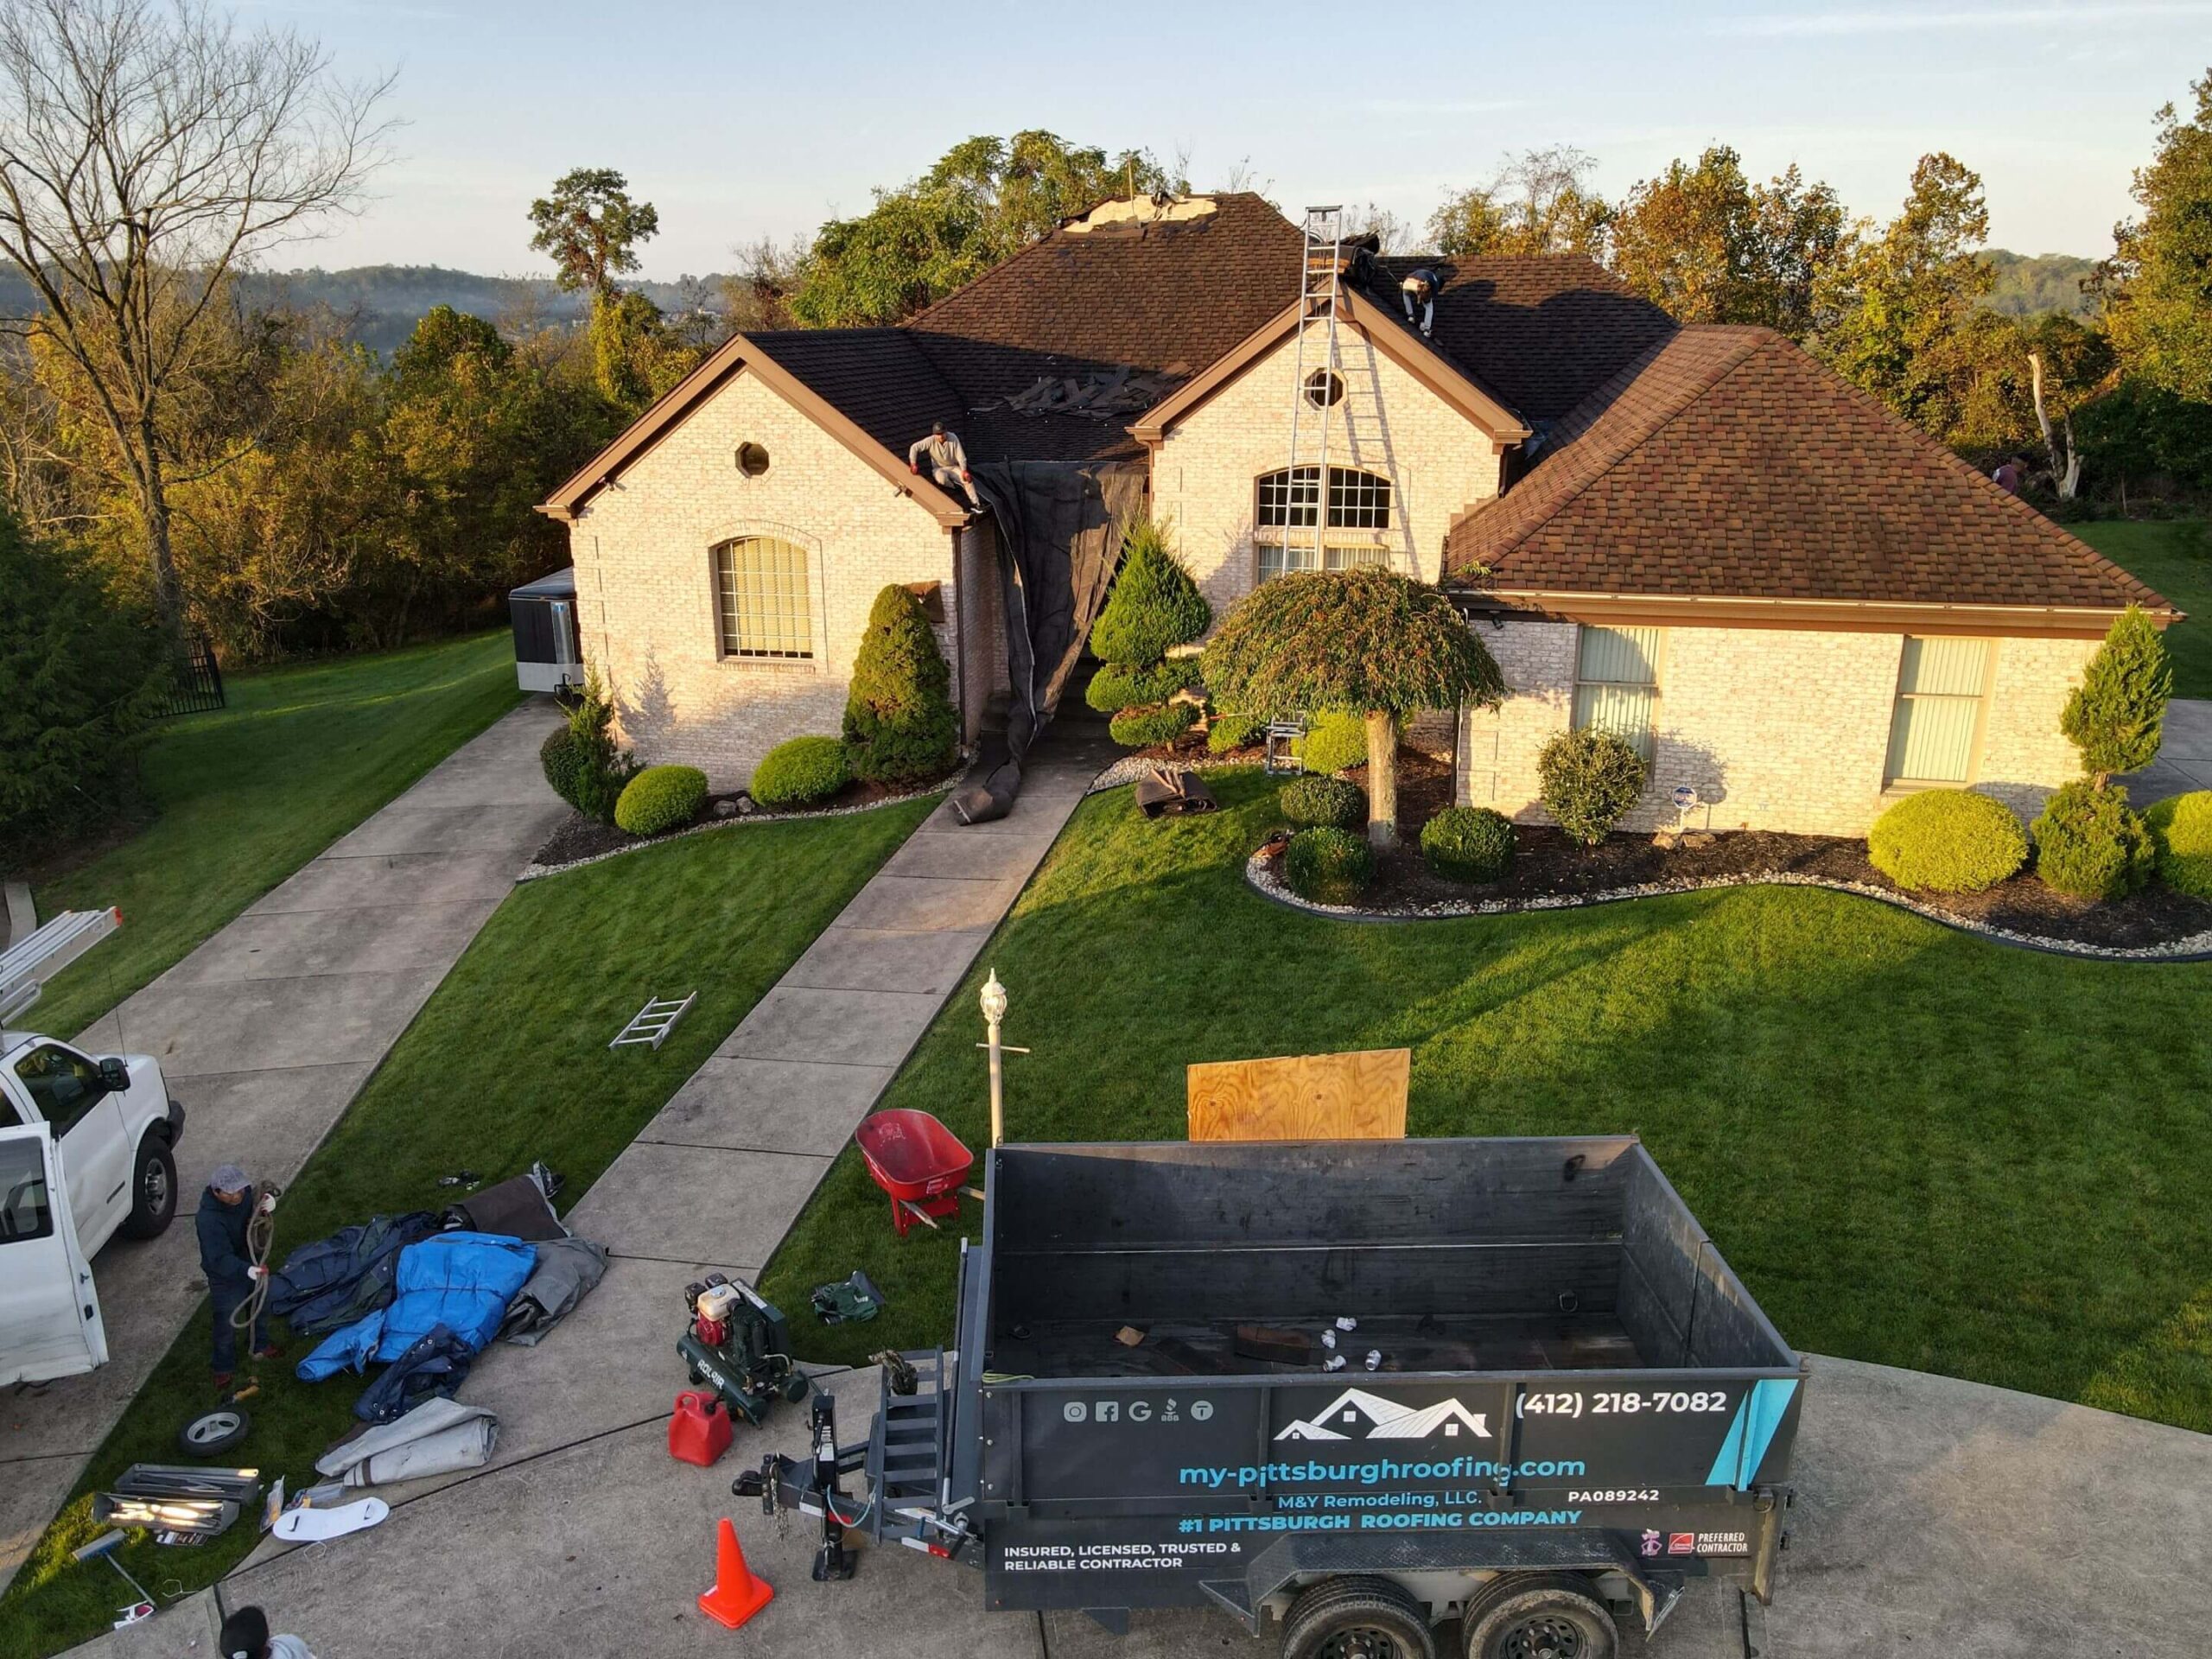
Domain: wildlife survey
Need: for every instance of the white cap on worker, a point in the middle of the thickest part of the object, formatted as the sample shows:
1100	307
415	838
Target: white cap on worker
229	1177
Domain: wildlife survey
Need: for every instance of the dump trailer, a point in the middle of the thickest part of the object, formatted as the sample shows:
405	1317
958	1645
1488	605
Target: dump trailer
1359	1387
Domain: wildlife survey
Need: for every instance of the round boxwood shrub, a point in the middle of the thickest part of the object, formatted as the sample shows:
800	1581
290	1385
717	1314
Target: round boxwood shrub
1468	843
898	714
801	772
1588	780
2090	844
563	761
1117	686
1948	841
1335	802
1140	728
1335	740
1328	866
1228	732
2181	830
660	799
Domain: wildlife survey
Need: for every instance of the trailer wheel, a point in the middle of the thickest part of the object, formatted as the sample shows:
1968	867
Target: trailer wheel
1539	1616
1356	1619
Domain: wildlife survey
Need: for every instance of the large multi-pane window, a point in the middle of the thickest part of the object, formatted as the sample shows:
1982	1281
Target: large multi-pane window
1290	501
763	600
1617	684
1941	683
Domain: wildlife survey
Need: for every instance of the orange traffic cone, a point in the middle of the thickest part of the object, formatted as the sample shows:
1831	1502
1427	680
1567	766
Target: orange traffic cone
737	1594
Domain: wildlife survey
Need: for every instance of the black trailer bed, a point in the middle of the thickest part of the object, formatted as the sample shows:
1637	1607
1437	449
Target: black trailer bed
1407	1341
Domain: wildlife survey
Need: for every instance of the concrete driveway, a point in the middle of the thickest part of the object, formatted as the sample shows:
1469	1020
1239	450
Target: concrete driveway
265	1033
2184	761
1934	1516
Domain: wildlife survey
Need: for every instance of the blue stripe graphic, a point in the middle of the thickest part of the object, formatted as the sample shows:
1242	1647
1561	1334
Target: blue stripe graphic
1758	1417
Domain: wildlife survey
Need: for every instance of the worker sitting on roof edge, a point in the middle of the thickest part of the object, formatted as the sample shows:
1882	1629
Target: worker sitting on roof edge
1418	291
947	462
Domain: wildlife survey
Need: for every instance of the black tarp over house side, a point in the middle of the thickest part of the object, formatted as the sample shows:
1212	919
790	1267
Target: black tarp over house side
1060	526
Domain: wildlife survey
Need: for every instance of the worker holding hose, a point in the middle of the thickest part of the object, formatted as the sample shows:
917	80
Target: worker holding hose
233	1250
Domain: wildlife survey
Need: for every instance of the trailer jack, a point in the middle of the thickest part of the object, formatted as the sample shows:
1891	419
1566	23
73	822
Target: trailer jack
813	1487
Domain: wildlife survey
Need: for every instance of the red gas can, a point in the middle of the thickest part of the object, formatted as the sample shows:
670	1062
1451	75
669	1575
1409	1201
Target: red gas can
700	1431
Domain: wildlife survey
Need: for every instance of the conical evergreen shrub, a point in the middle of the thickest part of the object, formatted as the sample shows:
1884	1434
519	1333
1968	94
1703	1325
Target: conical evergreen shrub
2116	715
1154	606
899	721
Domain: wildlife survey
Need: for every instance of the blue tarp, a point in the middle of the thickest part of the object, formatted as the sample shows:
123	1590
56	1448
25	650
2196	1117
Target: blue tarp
460	1280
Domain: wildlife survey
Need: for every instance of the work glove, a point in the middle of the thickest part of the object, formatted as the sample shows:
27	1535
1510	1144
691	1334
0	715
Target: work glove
257	1273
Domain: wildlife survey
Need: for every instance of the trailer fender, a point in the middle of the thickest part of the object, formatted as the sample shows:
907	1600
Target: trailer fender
1304	1558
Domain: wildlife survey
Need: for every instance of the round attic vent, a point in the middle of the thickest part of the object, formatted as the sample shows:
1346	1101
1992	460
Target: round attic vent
751	460
1323	387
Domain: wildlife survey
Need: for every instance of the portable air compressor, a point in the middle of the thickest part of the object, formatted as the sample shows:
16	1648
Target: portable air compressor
739	1344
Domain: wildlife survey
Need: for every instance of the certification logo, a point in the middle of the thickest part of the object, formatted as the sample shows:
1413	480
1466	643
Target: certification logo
1682	1543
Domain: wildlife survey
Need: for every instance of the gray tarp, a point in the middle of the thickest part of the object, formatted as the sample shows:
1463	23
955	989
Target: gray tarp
567	1268
1060	526
435	1437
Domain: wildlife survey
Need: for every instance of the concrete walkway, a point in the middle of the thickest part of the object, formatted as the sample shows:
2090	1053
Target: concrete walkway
265	1033
2184	761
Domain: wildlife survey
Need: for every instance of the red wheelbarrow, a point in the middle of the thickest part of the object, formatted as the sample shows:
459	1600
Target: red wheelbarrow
917	1161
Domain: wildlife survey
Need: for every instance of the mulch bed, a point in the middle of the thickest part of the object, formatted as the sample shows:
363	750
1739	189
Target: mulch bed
578	838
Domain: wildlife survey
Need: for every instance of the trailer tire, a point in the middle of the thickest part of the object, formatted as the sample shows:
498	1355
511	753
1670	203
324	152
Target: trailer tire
1524	1615
1356	1619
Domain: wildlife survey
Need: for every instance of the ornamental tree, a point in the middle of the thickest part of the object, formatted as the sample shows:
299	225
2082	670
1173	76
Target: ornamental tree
899	721
2116	715
1361	638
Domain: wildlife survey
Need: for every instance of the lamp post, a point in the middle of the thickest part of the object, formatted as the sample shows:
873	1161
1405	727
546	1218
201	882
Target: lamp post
994	1000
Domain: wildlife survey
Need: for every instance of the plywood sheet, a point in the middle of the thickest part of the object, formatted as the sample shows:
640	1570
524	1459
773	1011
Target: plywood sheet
1357	1097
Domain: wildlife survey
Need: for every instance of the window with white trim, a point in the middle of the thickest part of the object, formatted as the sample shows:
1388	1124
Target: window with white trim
763	598
1942	684
1290	501
1617	684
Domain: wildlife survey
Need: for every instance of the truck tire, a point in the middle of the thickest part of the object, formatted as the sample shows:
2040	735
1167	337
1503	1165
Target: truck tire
1539	1616
153	1189
1356	1619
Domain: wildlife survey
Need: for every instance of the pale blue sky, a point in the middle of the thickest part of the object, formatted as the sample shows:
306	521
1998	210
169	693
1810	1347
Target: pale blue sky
746	120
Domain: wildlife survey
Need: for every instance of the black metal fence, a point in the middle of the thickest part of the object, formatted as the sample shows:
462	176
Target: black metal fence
199	681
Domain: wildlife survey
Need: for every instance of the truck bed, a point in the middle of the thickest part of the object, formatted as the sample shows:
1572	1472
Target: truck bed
1171	1347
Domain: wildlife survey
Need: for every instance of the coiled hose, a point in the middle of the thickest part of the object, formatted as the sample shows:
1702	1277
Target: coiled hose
260	1237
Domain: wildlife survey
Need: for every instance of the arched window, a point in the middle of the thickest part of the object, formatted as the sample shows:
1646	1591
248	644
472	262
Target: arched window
1290	501
763	601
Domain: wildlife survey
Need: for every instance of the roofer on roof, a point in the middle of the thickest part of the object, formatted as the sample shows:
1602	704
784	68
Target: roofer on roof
947	462
1418	291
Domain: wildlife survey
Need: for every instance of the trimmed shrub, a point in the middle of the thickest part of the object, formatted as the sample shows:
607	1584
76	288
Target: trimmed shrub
603	767
2181	830
1330	866
1948	841
2116	715
2090	844
800	771
1140	728
660	799
1468	843
899	720
562	763
1336	740
1588	780
1229	731
1334	802
1117	685
1154	606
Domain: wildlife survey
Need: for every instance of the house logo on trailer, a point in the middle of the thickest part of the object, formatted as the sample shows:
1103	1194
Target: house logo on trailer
1355	1414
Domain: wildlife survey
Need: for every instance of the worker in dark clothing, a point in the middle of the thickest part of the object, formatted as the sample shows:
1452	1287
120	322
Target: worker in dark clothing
947	462
225	1212
1418	293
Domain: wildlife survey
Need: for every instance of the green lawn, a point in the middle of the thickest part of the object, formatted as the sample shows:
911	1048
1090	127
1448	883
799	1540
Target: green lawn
1916	1147
2175	558
248	794
508	1062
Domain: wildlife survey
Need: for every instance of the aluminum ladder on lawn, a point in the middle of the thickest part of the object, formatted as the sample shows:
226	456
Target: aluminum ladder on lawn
1321	276
27	966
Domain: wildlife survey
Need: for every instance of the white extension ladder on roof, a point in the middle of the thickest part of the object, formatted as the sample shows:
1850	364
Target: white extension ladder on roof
1320	275
26	966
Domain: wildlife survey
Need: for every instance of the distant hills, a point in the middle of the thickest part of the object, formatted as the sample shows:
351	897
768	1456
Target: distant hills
385	301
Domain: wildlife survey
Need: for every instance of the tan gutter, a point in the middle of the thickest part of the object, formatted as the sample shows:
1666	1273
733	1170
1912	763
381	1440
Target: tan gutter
739	353
1833	616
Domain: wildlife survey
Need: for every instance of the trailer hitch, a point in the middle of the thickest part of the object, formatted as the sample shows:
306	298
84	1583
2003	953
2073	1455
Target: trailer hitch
812	1487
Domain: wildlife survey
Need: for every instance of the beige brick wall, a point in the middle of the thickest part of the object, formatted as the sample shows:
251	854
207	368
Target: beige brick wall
1205	473
645	580
1776	729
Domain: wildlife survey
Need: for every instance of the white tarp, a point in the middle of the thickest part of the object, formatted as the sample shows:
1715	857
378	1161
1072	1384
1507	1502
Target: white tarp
436	1438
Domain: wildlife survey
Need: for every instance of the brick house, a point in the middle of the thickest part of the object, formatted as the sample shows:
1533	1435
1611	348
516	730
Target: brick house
1696	536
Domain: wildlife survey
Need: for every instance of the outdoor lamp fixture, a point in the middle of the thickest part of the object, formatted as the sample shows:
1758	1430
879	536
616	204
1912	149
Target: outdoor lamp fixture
993	1001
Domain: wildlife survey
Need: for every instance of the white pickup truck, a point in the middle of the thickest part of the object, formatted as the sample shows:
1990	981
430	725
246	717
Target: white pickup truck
85	1152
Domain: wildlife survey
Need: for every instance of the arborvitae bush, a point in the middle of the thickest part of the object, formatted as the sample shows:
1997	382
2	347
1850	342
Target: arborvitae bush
2115	715
2090	844
900	719
1154	606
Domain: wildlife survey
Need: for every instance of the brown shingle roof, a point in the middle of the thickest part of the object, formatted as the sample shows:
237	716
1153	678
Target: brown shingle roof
1725	462
878	375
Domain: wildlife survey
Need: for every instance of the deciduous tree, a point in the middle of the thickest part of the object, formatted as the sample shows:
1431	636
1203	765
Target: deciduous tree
1361	638
1539	202
590	228
2159	281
